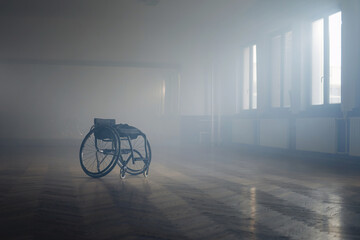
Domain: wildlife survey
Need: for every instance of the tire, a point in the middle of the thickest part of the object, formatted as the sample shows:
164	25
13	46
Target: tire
98	156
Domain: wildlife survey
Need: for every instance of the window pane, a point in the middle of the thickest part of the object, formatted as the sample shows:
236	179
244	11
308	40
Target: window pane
275	71
287	69
246	79
254	78
335	57
317	96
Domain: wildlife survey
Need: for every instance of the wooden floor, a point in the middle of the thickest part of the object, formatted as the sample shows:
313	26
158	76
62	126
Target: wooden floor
189	194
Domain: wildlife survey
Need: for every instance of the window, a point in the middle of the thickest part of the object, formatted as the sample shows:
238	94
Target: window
254	79
250	78
281	69
335	57
326	60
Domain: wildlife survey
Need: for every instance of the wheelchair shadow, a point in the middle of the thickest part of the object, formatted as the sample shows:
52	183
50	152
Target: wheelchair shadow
119	191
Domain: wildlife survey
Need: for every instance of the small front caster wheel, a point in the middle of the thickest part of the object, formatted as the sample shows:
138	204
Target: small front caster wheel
122	173
146	173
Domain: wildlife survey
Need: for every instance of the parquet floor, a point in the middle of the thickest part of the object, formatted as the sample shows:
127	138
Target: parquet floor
189	194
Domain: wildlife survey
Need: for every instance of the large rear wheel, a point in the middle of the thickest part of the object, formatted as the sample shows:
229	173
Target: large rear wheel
99	151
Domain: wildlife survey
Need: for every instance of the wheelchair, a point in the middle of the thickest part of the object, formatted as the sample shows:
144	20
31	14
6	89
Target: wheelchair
109	144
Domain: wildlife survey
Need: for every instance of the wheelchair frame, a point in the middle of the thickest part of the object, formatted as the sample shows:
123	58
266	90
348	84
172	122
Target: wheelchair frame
108	144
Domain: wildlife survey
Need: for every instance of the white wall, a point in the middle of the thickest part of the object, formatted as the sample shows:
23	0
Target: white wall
119	31
45	101
188	34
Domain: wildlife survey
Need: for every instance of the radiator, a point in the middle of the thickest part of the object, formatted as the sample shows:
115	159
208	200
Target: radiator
354	137
274	133
243	131
316	134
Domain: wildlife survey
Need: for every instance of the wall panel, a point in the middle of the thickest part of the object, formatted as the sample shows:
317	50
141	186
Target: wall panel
354	138
243	131
316	134
274	133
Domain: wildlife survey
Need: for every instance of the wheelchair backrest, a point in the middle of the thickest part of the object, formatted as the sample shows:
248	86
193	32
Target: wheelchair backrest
102	130
101	122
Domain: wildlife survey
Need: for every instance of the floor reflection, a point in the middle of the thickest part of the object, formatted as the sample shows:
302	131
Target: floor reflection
253	210
192	194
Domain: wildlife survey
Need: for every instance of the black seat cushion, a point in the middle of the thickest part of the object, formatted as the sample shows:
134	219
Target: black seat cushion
127	130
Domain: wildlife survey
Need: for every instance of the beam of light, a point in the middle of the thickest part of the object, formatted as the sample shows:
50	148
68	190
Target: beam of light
163	89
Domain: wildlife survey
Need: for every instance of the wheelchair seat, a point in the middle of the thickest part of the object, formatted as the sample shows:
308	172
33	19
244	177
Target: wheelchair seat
125	130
